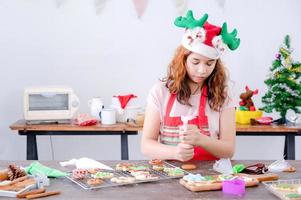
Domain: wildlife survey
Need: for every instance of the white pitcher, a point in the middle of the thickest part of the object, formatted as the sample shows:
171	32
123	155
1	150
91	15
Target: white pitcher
96	105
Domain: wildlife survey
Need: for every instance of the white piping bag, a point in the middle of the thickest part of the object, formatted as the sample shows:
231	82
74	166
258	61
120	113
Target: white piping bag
85	163
185	120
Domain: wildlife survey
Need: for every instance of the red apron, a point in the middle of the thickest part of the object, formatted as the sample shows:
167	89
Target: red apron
169	133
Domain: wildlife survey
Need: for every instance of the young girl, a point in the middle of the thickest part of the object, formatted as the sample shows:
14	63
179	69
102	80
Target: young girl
196	89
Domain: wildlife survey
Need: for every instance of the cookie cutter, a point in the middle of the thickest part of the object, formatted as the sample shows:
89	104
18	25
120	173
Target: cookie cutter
235	187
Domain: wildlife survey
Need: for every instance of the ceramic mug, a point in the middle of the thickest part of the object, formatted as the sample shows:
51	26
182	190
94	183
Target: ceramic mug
108	116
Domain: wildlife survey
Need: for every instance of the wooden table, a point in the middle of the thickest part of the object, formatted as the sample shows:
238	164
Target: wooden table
31	131
165	189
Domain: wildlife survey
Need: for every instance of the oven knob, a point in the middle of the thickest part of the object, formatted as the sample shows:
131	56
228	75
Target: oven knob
75	104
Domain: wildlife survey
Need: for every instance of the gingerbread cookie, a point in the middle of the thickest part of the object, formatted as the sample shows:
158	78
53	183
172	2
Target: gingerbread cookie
261	177
290	169
188	166
155	162
94	181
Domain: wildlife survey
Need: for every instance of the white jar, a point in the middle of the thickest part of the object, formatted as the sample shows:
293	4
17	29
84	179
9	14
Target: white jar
96	105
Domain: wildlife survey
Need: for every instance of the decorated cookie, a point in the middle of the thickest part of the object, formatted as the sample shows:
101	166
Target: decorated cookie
103	175
124	166
286	187
144	175
174	171
193	178
151	177
294	196
246	178
224	177
123	179
94	170
79	173
158	167
139	168
94	181
137	173
198	179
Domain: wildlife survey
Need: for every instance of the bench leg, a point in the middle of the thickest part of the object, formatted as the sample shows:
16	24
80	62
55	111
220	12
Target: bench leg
32	150
289	147
124	147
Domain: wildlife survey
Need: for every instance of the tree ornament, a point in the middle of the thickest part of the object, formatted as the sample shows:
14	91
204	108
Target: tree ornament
285	52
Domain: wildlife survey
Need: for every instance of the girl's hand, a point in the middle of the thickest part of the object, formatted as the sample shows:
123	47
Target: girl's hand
191	136
184	152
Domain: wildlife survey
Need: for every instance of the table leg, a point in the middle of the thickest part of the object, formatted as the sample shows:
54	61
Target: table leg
124	147
32	150
289	147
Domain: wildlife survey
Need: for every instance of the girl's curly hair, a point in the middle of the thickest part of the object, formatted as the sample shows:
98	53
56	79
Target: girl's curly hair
177	80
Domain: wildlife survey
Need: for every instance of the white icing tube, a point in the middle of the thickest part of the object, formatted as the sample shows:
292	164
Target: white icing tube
185	120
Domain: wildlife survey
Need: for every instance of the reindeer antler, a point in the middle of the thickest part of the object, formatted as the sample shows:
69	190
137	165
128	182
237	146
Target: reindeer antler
230	38
189	21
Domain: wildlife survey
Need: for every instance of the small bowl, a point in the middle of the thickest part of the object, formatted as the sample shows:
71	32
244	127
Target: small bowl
265	120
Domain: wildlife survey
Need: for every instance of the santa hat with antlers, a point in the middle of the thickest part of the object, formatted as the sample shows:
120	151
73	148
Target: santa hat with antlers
204	38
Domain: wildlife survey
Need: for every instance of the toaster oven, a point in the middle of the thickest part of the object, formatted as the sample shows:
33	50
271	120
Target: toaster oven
49	104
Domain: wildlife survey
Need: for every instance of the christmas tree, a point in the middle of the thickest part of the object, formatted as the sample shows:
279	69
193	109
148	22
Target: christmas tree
284	83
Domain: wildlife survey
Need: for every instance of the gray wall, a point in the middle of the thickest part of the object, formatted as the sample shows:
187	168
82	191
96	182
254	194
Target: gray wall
117	53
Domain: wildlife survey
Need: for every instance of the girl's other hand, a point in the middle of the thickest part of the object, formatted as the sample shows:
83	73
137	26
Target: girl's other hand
191	136
184	152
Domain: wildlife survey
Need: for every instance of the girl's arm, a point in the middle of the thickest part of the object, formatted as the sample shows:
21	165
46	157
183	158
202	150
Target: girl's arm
150	146
225	146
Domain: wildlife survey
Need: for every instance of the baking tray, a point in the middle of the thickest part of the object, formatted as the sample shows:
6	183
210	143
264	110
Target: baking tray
107	183
279	193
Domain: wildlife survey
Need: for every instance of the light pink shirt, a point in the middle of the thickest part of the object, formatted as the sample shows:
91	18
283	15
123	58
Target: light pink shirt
158	98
